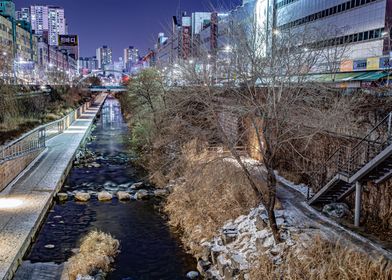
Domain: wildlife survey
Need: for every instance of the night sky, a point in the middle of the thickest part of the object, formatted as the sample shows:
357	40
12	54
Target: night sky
122	23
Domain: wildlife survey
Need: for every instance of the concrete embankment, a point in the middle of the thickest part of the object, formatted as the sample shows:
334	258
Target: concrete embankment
24	204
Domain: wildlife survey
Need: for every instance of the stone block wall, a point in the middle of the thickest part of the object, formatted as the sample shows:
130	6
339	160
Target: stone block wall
377	204
9	170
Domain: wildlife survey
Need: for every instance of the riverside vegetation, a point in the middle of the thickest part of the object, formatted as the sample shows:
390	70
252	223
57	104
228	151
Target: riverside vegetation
19	114
176	138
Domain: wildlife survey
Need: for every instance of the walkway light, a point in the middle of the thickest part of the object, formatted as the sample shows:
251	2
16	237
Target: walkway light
10	203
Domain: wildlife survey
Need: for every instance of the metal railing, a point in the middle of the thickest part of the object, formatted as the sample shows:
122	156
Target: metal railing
348	160
36	139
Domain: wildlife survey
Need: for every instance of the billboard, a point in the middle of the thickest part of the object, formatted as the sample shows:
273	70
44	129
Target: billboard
385	63
360	64
68	40
373	63
346	65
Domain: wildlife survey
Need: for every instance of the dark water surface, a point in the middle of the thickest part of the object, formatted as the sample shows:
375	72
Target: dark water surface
149	250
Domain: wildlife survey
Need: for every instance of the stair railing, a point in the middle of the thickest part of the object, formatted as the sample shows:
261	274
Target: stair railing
333	165
347	160
371	145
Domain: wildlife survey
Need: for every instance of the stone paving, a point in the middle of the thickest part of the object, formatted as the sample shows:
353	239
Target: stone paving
23	205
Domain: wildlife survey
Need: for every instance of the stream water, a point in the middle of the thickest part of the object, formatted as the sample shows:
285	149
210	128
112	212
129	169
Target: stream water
149	249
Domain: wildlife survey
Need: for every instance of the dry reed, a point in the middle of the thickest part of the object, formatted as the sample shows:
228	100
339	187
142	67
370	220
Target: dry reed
323	260
97	251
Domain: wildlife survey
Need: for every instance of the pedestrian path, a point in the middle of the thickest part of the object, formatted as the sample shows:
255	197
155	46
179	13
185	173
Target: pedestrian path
24	204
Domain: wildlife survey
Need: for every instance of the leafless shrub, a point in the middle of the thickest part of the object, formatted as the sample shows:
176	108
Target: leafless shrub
215	191
323	260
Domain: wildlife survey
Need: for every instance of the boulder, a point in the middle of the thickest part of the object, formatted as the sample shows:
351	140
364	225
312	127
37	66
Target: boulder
269	242
337	210
142	194
122	196
229	235
192	275
239	262
104	196
137	186
109	184
84	277
95	165
260	223
161	193
203	266
82	196
62	196
221	264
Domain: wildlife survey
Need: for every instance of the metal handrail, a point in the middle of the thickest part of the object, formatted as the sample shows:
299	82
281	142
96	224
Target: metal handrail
357	156
36	139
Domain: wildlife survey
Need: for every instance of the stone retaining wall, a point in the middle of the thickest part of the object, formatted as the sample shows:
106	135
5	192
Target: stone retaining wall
9	170
377	204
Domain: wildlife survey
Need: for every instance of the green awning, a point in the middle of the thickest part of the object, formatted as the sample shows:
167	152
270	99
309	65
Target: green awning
371	76
330	78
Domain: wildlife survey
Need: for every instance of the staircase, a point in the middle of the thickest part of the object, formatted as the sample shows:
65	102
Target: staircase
368	161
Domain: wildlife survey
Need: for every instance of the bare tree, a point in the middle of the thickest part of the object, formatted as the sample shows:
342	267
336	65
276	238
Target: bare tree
265	88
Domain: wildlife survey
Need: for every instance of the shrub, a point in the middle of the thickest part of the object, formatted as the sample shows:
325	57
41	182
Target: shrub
323	260
215	192
96	253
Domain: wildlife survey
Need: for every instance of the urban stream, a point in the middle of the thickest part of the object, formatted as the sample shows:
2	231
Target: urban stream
149	248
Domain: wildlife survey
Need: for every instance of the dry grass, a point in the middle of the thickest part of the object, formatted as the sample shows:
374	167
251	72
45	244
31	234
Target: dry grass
323	260
215	192
96	253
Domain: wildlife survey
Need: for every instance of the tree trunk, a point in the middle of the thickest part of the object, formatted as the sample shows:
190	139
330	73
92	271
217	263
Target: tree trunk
271	185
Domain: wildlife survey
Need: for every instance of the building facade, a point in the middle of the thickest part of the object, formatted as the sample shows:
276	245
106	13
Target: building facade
104	57
50	20
88	65
361	26
23	14
131	57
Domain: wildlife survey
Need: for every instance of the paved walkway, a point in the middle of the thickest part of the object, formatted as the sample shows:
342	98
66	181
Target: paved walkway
304	216
24	205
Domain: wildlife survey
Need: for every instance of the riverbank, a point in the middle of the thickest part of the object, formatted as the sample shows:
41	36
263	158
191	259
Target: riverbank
312	246
22	113
24	204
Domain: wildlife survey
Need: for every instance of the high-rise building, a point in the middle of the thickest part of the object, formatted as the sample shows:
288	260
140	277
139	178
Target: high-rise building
57	24
50	19
199	21
88	64
23	14
39	19
131	57
104	57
